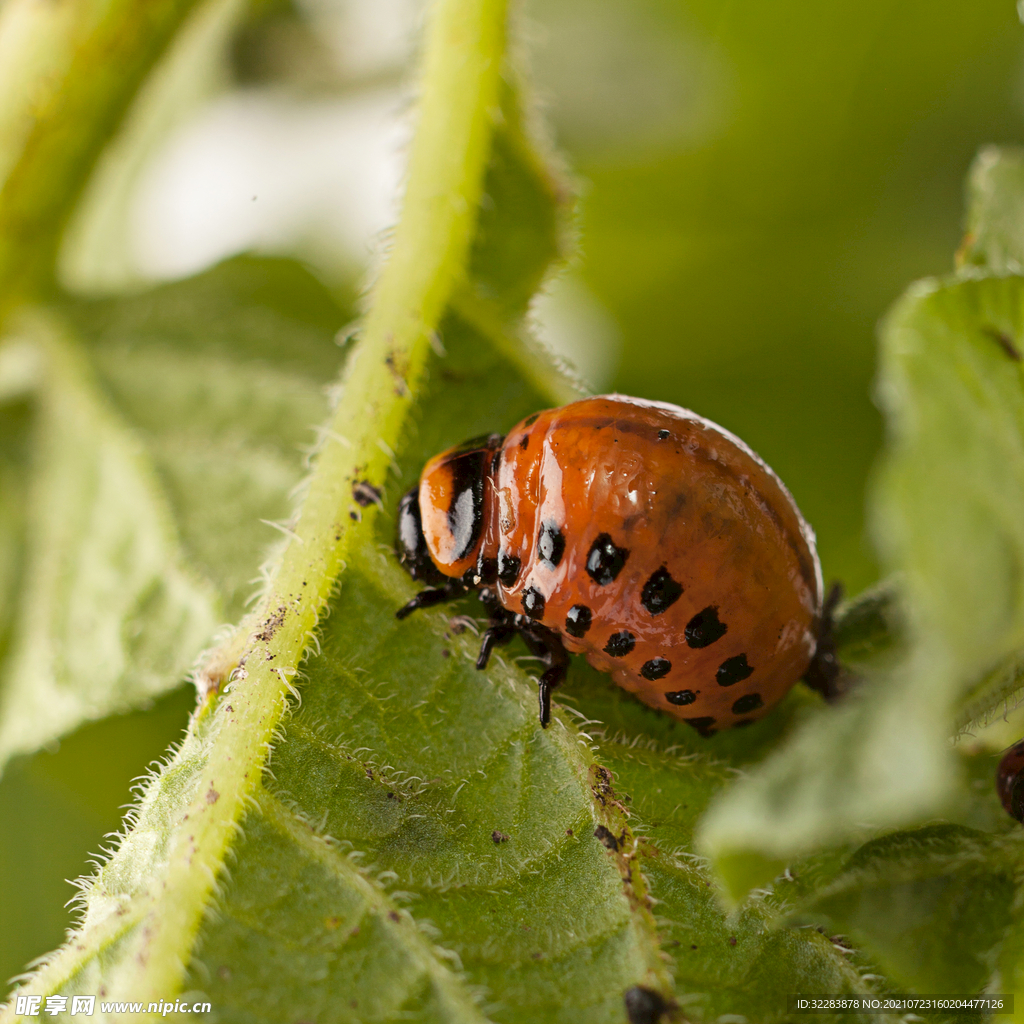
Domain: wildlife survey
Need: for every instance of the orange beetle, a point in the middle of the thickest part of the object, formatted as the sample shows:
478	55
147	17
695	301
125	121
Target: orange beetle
636	533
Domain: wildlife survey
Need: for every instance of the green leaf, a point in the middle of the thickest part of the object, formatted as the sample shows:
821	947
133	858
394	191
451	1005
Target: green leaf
949	519
224	378
145	454
931	904
952	386
870	626
995	211
108	615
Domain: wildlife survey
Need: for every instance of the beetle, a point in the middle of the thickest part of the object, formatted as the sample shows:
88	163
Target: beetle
636	533
1010	780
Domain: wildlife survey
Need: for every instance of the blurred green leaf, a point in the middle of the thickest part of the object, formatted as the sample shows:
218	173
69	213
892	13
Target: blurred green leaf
108	616
155	443
868	626
950	520
67	76
995	211
952	492
931	904
224	376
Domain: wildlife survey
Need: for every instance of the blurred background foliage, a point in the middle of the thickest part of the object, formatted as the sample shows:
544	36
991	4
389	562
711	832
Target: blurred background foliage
758	184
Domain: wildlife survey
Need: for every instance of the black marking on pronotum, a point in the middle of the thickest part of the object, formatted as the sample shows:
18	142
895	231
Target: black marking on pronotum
748	702
605	560
660	591
704	628
524	442
578	621
656	668
485	442
533	603
530	420
733	670
682	697
508	568
466	510
643	1005
1004	341
705	726
550	544
620	644
663	435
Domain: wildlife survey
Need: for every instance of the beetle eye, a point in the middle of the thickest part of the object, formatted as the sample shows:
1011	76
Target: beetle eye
412	545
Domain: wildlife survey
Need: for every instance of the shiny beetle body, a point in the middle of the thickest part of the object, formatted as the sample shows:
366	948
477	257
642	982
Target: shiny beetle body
638	534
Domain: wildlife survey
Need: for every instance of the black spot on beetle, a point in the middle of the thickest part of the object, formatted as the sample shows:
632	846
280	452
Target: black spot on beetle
620	644
733	670
508	568
605	560
524	442
748	702
660	592
656	668
682	697
550	544
705	726
704	628
643	1005
486	569
533	603
663	435
530	420
578	621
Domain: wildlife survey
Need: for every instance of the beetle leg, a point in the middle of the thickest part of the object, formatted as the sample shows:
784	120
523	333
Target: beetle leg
500	630
824	673
428	598
494	636
552	678
547	644
493	607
